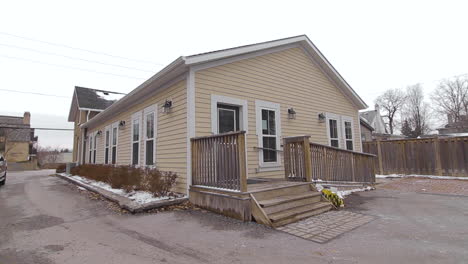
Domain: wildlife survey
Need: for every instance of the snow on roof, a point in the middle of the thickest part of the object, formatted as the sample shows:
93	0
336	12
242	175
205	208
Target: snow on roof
109	96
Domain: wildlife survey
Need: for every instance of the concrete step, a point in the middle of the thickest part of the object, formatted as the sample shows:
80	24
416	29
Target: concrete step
296	212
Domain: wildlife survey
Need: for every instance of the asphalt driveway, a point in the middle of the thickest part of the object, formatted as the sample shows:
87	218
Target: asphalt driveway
46	220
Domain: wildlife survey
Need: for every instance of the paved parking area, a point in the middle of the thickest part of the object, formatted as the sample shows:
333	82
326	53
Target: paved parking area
45	220
324	227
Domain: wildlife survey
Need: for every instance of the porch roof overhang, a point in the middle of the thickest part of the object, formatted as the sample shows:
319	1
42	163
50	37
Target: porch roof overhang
181	65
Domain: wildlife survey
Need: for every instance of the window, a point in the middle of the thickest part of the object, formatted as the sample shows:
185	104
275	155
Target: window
114	144
228	114
95	148
90	156
149	134
348	132
333	130
269	133
135	140
228	118
107	141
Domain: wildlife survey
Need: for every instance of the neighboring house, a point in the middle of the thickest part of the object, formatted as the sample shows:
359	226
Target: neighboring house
271	90
17	140
374	119
455	128
366	129
87	103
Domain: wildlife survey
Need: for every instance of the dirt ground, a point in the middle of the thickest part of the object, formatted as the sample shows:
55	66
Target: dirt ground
426	185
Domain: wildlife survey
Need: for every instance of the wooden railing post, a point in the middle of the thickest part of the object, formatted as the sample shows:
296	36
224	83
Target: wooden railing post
307	159
242	161
379	156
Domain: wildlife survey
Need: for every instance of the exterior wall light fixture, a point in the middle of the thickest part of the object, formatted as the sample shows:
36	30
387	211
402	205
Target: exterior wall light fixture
167	107
321	118
291	113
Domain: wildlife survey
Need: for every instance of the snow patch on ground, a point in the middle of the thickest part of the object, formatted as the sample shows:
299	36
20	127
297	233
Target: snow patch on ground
342	194
140	197
420	176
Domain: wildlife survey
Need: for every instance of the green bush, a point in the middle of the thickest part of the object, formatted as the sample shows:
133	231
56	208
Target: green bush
333	198
129	178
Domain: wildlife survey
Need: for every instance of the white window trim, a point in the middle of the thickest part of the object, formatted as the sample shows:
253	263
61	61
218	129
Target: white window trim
146	111
243	111
259	105
107	129
90	142
95	147
136	116
338	124
343	120
114	125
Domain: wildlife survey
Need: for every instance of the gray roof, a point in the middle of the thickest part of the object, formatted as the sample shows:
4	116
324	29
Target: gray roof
12	120
90	98
369	116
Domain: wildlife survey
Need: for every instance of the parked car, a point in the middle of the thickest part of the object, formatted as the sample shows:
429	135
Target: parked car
3	170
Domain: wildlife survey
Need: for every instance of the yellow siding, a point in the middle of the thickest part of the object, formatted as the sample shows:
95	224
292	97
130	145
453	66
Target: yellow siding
171	147
289	78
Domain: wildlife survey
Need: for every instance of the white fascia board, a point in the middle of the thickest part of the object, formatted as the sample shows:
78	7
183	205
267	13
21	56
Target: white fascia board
130	98
239	51
313	50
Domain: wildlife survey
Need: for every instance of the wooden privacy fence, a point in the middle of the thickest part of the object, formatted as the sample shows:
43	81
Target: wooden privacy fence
427	156
305	161
219	161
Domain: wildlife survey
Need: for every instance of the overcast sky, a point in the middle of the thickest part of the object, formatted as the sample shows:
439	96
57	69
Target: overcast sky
374	45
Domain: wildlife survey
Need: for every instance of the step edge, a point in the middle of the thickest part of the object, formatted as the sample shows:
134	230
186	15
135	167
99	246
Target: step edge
321	205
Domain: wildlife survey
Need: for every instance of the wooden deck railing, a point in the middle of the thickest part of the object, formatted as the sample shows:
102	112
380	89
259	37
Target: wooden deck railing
305	161
219	161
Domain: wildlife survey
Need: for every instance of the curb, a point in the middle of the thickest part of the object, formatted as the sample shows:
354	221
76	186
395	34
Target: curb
124	202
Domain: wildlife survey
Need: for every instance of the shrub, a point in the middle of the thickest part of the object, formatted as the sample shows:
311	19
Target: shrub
61	168
159	183
333	198
129	178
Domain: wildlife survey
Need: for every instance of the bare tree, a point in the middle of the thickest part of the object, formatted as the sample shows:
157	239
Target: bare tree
416	112
451	97
391	101
46	155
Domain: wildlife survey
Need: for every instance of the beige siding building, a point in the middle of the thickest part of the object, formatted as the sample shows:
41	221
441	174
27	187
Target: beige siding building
271	90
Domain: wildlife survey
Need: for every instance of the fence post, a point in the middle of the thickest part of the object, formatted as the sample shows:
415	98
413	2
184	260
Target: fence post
438	163
307	159
379	153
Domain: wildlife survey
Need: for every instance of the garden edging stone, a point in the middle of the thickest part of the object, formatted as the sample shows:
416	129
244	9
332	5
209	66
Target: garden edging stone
124	202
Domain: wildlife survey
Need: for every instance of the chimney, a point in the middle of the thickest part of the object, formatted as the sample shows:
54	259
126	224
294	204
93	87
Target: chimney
377	108
450	119
27	118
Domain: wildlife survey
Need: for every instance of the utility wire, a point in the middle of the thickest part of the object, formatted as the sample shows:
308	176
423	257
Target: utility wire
80	49
43	94
71	57
70	67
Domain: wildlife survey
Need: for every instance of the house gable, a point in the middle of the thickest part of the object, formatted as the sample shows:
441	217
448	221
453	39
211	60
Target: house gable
286	76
